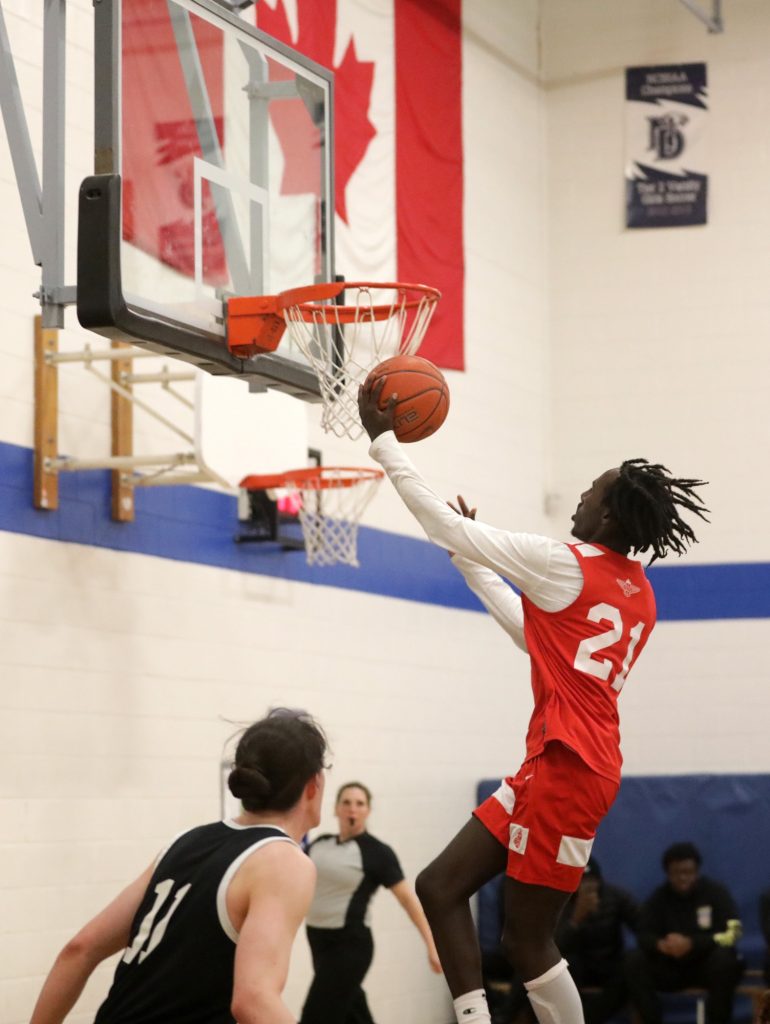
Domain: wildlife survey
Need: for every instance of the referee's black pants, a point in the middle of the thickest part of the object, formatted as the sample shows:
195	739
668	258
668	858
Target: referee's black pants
341	958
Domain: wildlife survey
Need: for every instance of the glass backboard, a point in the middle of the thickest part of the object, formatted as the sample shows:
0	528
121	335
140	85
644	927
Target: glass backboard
222	141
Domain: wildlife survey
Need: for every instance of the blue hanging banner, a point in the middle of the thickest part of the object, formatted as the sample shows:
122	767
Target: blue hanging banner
666	110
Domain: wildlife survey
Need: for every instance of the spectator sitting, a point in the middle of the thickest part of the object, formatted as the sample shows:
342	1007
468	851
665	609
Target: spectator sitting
590	937
687	932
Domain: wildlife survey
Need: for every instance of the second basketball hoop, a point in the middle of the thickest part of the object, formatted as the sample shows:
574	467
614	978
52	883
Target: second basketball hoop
342	343
330	501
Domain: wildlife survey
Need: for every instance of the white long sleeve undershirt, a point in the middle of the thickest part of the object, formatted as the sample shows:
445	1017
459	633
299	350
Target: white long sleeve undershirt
499	599
544	569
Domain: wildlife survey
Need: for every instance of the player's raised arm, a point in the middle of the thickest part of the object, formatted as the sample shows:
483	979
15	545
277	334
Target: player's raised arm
502	603
496	549
499	599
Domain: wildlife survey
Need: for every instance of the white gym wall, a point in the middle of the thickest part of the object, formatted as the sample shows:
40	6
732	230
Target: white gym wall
585	344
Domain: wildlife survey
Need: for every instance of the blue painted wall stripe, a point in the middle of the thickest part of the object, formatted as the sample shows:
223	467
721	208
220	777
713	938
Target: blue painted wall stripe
192	524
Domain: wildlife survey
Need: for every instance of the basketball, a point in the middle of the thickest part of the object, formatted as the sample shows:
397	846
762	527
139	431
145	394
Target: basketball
423	395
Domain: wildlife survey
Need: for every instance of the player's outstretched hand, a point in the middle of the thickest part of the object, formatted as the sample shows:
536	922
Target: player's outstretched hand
374	419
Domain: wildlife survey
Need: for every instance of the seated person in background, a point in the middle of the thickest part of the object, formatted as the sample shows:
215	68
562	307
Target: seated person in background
590	938
764	923
687	932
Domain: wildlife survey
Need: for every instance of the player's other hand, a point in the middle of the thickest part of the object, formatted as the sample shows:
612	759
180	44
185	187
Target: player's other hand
375	420
463	510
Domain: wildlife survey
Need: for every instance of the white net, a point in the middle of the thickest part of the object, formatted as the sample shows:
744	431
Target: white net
343	343
332	500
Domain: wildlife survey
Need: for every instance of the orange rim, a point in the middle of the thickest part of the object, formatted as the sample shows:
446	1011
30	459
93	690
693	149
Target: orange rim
308	300
312	478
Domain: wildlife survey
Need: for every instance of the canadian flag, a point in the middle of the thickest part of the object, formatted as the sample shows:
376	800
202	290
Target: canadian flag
398	142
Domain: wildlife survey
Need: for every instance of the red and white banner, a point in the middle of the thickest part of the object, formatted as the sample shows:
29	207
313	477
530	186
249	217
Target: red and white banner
398	142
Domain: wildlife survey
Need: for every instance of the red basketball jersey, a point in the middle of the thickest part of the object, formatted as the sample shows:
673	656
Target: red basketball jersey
582	655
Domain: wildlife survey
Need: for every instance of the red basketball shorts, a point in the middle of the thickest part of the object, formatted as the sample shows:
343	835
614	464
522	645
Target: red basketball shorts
547	816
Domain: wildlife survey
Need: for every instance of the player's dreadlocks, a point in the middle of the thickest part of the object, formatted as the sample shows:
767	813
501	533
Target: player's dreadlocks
644	498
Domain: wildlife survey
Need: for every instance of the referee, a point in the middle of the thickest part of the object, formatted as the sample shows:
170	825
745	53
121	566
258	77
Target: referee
351	866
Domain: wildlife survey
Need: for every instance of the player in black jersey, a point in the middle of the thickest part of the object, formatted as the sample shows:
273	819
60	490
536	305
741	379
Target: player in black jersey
207	930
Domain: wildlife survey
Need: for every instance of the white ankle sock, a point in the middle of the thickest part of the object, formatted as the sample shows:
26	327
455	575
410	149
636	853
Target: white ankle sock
554	996
472	1008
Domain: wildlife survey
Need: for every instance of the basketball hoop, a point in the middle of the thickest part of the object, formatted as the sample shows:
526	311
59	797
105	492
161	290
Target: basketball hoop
341	343
331	502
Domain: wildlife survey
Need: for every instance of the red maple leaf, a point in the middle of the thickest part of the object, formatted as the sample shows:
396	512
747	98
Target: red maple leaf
352	91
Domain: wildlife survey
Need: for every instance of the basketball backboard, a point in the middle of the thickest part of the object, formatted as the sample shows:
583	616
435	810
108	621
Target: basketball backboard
214	178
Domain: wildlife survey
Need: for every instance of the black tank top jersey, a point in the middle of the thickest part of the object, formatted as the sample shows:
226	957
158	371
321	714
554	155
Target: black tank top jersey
178	965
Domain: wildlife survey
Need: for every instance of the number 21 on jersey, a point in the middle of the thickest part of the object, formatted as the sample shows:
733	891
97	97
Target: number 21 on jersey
601	668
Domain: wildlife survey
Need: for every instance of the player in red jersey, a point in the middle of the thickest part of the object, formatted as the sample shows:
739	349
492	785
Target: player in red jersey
585	614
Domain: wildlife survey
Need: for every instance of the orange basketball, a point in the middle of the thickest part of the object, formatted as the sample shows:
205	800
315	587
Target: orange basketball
423	395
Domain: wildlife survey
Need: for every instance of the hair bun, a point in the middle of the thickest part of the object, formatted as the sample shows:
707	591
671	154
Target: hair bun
248	784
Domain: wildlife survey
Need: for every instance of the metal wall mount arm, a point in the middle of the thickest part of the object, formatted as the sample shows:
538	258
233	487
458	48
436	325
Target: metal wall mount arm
713	22
43	205
183	465
20	145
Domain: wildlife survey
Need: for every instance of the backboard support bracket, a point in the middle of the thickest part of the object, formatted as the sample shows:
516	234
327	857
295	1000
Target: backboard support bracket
42	203
46	479
184	465
713	22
